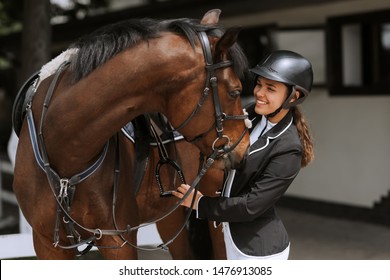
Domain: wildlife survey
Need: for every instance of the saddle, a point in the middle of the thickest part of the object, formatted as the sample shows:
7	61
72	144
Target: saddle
138	128
22	100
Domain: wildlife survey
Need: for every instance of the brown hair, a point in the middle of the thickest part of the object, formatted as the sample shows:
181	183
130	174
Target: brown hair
304	135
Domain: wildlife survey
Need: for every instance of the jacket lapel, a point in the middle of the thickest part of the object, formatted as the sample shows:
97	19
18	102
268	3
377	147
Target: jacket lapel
271	134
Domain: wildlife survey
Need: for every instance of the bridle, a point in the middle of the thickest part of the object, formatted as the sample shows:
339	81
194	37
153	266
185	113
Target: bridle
220	116
63	189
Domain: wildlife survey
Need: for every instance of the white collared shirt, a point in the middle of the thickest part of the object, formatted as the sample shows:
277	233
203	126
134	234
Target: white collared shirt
260	129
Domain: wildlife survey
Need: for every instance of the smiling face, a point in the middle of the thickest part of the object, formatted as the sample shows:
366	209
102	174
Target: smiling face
269	96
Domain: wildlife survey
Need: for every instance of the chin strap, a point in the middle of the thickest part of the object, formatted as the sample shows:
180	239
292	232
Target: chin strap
285	105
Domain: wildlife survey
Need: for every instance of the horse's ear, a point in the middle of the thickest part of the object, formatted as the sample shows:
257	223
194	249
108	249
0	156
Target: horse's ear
227	40
211	17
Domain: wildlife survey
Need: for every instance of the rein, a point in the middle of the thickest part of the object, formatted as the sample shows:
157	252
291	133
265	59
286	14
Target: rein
194	185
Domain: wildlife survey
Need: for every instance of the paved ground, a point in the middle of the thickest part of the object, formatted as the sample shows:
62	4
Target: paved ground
316	237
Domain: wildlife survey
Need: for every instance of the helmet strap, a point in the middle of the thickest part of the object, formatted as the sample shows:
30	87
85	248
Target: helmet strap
285	104
274	113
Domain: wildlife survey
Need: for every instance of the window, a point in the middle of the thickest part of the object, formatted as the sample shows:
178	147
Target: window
308	42
256	43
358	54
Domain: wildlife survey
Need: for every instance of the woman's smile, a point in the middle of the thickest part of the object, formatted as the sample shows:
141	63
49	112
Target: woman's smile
261	102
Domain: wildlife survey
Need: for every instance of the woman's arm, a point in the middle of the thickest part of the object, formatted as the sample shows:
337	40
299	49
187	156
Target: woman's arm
269	186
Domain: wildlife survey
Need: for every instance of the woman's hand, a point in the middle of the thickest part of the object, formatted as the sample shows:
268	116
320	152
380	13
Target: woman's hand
182	190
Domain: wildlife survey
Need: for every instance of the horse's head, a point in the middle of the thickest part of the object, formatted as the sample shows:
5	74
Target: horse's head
217	123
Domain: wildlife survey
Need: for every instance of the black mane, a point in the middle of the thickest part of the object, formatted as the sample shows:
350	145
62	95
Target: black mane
100	46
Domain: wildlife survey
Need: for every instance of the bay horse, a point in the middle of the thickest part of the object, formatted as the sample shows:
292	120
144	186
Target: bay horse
66	164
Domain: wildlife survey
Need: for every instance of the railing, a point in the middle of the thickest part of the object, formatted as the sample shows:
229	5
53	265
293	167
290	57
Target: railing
17	245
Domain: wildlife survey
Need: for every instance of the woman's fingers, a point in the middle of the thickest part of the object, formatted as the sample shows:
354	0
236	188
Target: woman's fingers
188	201
183	188
180	192
177	194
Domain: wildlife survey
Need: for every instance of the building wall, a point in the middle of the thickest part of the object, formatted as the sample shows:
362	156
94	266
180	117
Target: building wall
352	161
312	14
351	134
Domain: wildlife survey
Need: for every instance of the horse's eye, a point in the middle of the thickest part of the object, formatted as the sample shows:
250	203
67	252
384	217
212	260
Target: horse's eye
234	93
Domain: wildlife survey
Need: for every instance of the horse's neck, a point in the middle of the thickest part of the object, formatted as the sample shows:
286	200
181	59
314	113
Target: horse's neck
88	113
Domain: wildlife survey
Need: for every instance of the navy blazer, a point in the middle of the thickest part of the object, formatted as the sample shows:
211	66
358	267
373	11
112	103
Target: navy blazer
273	162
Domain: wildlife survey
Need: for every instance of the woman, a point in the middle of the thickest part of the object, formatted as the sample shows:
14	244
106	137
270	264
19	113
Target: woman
280	144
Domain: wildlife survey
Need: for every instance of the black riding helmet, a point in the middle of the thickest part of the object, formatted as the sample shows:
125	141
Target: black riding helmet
289	68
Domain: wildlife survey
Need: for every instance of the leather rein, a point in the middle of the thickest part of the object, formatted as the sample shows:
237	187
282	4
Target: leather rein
63	188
